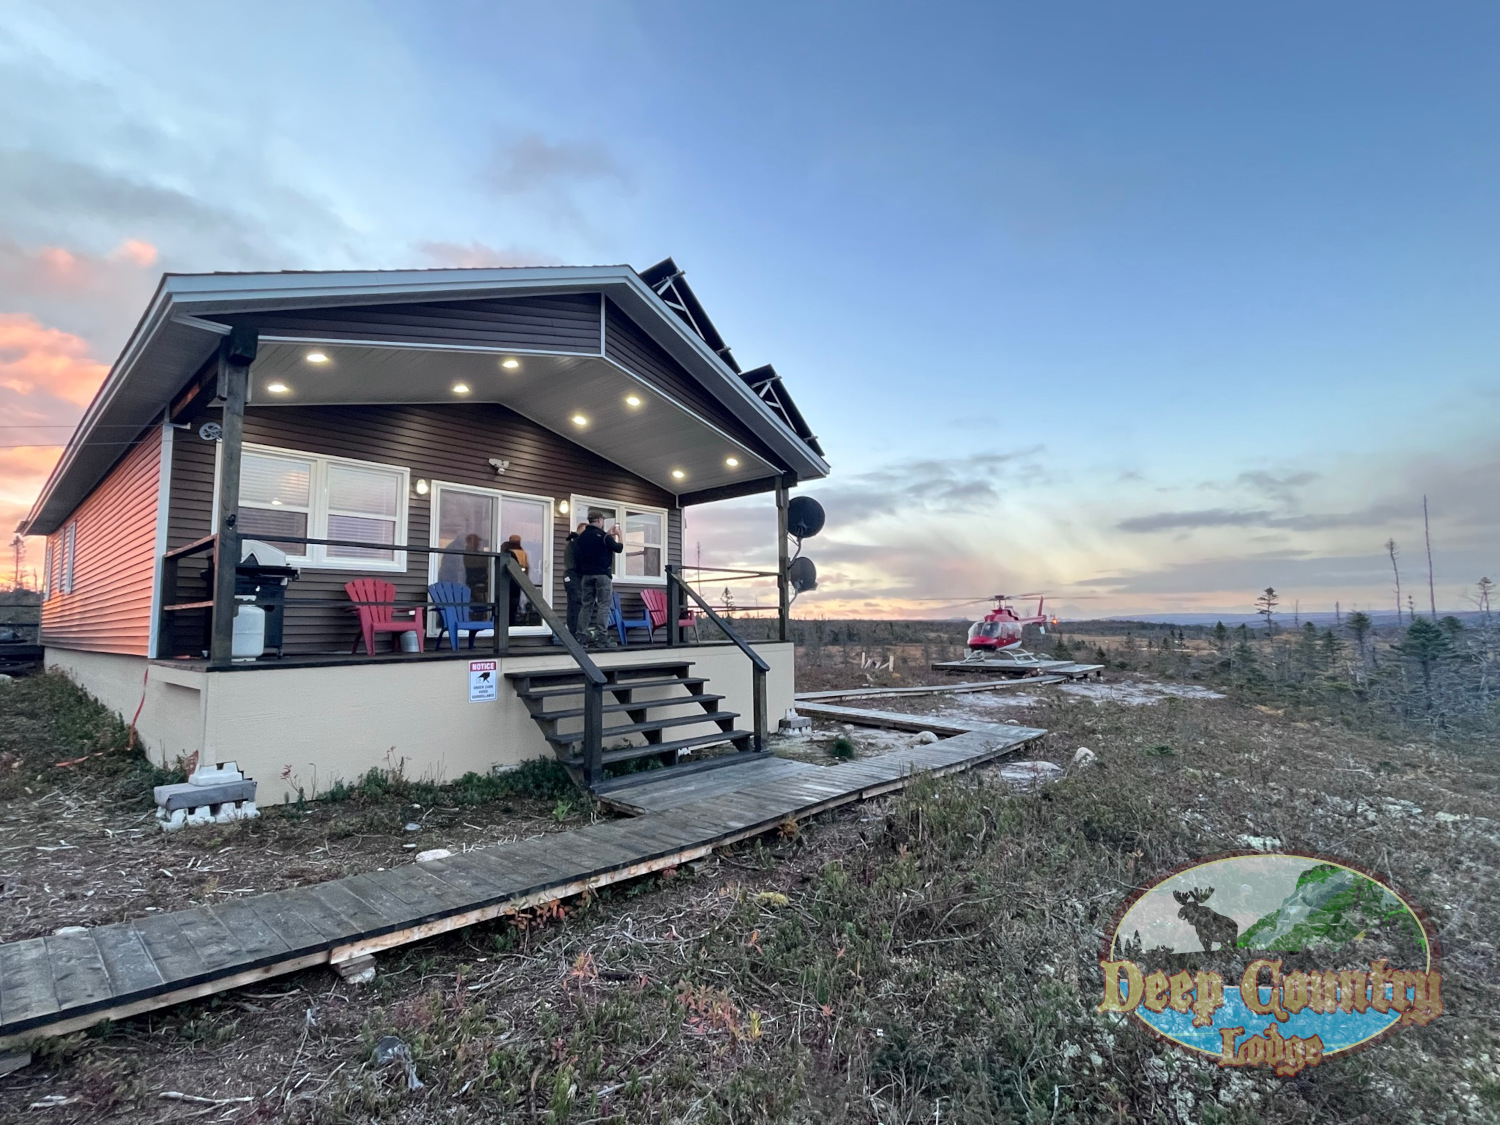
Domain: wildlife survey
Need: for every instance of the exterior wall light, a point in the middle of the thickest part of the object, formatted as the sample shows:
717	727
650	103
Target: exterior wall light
422	486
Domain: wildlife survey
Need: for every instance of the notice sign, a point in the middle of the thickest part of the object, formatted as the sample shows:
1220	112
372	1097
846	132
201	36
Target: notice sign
484	678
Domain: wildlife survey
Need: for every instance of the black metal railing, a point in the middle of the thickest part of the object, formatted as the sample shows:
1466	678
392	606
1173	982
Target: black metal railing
676	587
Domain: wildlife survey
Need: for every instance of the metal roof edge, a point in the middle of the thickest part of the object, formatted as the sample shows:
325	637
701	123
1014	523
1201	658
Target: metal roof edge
196	294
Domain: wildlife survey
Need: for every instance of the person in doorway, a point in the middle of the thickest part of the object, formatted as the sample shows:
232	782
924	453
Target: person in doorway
512	547
477	575
594	554
572	583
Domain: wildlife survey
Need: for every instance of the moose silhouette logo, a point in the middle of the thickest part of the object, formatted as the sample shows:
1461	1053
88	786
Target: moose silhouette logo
1210	926
1303	958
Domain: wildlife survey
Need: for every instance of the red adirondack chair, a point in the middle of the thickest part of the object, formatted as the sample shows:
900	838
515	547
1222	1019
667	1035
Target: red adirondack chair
376	601
656	609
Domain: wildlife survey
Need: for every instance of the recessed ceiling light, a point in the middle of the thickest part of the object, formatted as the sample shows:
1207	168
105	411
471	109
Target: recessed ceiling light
732	462
678	474
510	364
316	357
632	400
277	388
460	388
580	420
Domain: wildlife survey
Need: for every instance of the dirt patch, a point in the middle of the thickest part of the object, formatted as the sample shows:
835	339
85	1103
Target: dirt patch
79	844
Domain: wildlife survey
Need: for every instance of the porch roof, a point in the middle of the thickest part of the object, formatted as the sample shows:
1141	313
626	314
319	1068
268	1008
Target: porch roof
180	331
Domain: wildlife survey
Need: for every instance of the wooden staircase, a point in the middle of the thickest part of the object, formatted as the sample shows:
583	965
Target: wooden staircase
557	699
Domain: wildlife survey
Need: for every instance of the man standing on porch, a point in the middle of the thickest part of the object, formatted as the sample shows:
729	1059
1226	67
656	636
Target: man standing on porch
593	554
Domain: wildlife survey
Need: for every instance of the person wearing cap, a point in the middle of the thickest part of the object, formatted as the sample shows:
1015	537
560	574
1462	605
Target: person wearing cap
594	554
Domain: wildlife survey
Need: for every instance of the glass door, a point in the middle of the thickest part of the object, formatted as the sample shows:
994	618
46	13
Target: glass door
482	519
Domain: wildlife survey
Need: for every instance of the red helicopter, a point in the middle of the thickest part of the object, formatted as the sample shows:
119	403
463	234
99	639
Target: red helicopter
1001	628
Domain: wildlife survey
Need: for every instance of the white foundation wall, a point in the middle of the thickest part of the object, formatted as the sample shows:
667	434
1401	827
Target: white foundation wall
170	700
300	728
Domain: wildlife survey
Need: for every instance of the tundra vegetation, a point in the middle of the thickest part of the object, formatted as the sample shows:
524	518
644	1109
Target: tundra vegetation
932	956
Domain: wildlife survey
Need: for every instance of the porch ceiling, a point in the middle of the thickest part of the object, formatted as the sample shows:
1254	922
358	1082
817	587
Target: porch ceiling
656	439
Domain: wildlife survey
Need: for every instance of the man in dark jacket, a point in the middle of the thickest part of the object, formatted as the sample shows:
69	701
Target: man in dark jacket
594	554
572	581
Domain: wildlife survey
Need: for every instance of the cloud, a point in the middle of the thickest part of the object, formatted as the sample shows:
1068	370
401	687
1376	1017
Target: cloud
37	360
472	255
954	485
1374	515
532	164
1281	489
22	473
573	185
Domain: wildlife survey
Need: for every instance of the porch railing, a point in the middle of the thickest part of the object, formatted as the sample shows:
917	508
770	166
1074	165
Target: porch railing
676	588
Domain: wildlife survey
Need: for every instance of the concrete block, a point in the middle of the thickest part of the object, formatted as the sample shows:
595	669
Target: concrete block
214	775
191	796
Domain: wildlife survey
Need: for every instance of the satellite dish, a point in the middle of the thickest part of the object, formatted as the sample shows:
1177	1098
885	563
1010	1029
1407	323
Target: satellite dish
804	517
803	576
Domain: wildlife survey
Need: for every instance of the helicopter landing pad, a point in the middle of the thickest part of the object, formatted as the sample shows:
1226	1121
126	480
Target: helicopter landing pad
1065	668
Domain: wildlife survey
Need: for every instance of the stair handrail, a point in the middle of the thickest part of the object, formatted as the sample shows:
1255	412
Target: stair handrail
510	570
758	666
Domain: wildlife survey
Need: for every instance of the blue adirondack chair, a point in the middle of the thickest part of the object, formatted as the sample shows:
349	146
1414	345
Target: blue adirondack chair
620	623
451	600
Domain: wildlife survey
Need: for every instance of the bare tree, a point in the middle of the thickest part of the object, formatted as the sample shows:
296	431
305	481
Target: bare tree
1483	588
1390	549
1265	605
1427	532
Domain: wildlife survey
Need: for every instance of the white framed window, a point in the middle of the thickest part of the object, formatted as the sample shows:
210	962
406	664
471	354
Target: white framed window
49	559
311	496
644	531
69	553
480	519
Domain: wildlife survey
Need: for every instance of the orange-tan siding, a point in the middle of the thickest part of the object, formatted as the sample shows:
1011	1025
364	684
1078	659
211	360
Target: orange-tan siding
108	608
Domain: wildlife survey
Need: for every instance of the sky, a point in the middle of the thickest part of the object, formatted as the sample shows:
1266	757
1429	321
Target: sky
1150	306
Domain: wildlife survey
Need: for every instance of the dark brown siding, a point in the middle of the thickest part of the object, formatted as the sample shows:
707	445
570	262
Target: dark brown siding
450	443
627	344
114	561
566	323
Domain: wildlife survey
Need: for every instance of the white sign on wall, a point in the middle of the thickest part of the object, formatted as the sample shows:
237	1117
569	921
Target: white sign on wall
484	681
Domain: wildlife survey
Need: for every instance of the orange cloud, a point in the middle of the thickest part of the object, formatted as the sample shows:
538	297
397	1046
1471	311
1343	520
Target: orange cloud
37	359
134	250
55	269
22	473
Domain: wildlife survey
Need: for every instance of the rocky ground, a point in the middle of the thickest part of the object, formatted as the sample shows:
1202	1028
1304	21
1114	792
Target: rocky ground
931	956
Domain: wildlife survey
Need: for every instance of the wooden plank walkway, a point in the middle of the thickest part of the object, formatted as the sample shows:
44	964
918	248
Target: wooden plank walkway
925	689
899	720
67	982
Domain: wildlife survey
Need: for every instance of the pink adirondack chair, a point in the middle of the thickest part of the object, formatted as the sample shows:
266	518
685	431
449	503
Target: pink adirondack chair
376	601
656	609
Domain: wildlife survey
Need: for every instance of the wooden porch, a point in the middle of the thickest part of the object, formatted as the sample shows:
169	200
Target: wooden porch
63	983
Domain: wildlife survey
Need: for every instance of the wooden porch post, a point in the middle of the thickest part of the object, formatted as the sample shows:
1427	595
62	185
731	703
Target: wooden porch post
783	590
674	608
236	354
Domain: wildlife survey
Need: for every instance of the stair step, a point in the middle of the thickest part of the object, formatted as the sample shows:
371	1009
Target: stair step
577	689
642	728
613	671
609	708
612	756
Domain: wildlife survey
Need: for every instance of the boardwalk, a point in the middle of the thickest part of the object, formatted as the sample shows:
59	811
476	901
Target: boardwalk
65	982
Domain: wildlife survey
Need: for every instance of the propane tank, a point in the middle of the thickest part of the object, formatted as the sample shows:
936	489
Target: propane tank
249	629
